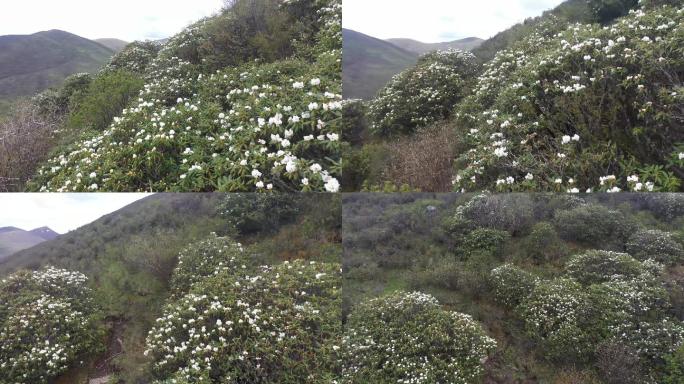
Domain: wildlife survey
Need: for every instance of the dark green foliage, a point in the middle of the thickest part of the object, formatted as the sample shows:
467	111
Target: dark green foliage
605	11
506	212
594	225
543	244
674	368
483	241
594	267
250	213
104	99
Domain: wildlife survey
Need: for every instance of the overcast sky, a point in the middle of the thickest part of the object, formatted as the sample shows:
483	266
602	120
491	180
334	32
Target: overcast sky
432	21
61	212
127	20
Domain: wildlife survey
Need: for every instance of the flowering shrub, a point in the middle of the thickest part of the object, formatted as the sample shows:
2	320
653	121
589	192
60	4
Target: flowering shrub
543	242
424	93
593	225
657	245
511	284
595	267
278	324
409	338
47	322
255	127
527	125
208	257
135	57
556	314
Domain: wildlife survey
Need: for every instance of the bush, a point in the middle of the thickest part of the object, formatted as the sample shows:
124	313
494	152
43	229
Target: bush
594	225
107	95
136	57
595	267
557	314
48	321
250	213
278	324
506	212
511	285
543	243
386	342
657	245
423	94
527	125
205	258
483	241
674	367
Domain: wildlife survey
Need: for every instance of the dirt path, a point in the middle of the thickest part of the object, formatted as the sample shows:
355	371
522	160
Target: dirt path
103	368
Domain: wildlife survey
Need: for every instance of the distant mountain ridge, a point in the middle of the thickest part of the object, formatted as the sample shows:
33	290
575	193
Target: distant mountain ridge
13	239
369	63
32	63
116	45
420	48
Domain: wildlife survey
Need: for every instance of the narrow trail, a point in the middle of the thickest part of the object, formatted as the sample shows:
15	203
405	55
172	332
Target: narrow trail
103	368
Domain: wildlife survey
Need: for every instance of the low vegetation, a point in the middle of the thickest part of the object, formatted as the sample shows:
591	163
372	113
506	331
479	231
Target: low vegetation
543	301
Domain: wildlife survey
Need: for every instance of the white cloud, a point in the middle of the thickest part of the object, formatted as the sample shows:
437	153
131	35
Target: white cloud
433	21
61	212
122	19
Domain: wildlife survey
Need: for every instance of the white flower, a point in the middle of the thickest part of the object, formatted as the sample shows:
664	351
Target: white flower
291	167
574	190
298	85
315	168
681	155
305	181
260	184
256	174
332	185
576	137
566	139
529	176
315	81
500	152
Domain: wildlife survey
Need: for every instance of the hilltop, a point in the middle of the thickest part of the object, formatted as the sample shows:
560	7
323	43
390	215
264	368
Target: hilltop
115	45
32	63
369	63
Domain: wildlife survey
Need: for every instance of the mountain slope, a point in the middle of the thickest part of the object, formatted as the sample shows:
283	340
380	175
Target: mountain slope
369	63
31	63
420	48
13	240
114	45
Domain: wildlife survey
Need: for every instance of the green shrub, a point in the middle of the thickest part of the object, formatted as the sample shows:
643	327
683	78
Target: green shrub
48	323
135	57
483	241
249	213
205	258
674	367
657	245
595	267
608	10
387	341
527	125
543	243
557	314
279	324
511	284
105	98
423	94
594	225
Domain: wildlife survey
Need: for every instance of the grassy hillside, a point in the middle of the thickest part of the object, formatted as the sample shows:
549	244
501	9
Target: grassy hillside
418	47
114	45
130	256
504	259
369	63
32	63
